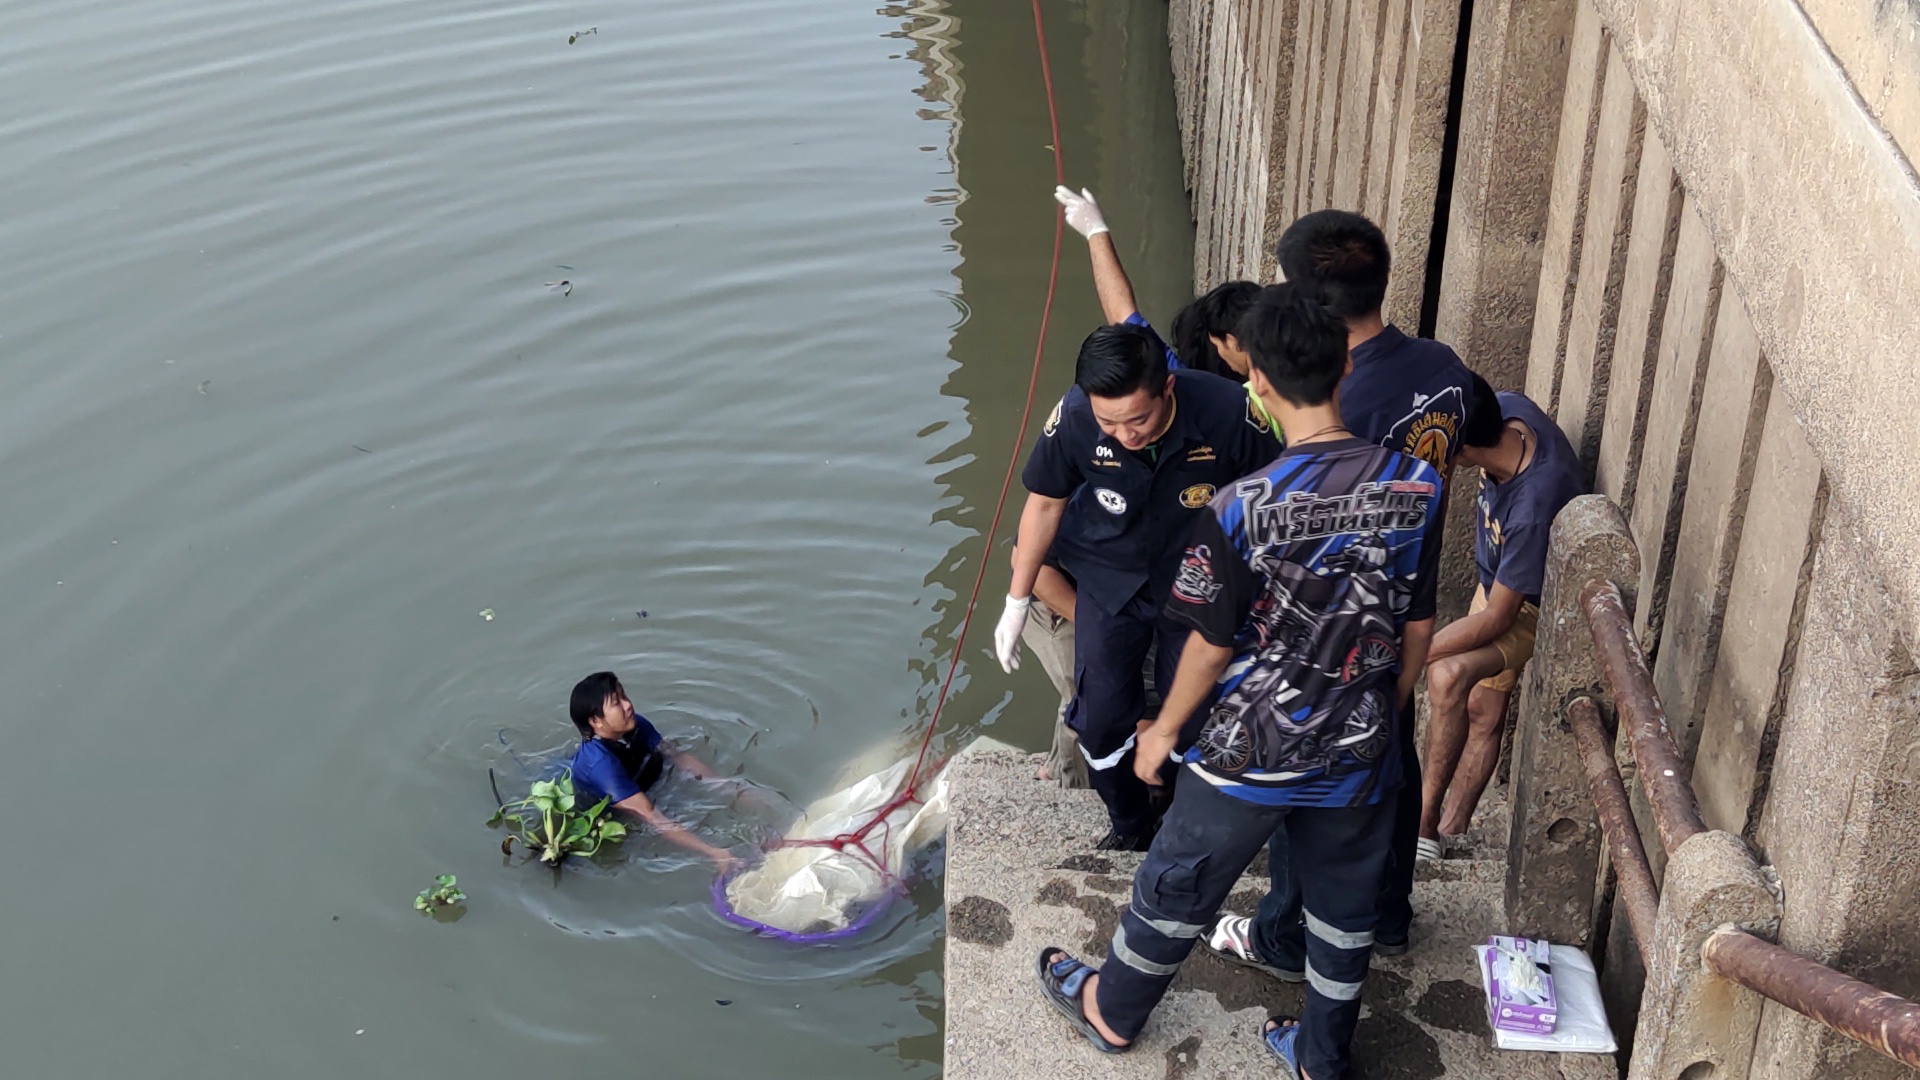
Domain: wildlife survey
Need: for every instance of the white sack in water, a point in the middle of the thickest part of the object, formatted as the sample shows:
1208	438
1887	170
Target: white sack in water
818	889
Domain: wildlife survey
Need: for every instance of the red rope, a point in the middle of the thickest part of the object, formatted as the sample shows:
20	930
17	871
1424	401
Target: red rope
1026	411
857	838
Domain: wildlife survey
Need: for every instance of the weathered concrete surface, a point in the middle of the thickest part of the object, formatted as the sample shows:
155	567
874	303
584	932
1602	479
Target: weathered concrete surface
1509	113
1733	402
1711	881
1758	637
1838	824
1595	306
1879	46
1296	105
1653	236
1566	208
1553	858
1673	404
1020	878
1816	215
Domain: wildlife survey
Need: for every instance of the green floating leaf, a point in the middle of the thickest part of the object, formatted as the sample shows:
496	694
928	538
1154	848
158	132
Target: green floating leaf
446	880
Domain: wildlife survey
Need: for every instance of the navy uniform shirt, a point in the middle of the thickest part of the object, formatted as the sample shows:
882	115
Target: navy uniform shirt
1510	544
1128	512
1408	394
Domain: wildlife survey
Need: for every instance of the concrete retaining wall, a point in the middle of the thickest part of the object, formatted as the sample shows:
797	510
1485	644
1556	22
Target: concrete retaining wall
1288	106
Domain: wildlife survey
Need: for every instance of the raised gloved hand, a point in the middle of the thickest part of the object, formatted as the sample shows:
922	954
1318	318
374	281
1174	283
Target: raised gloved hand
1006	635
1083	214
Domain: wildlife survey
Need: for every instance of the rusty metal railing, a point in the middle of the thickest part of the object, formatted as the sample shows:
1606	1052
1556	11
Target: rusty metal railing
1864	1013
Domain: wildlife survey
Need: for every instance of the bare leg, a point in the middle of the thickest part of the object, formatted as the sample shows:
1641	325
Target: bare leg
1449	681
1486	714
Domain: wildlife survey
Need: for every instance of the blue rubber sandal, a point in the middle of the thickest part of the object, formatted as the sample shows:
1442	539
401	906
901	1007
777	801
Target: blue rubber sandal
1061	983
1282	1036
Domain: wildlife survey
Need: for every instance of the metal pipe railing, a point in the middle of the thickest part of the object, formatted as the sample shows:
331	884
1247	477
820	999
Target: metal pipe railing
1885	1022
1861	1012
1624	847
1664	775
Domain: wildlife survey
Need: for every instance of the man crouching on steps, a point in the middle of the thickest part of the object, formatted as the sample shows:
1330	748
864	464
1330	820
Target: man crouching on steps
1295	587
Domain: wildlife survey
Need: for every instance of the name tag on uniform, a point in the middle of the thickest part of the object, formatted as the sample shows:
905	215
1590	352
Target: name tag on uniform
1200	453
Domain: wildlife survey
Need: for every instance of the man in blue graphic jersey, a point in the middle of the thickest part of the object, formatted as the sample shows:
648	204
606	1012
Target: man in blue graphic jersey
1407	394
1297	589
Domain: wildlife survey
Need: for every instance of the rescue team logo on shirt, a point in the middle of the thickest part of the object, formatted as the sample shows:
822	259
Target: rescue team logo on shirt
1110	500
1430	431
1053	421
1197	496
1196	584
1103	455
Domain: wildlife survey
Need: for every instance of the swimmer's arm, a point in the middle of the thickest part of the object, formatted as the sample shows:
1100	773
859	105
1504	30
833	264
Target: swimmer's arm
1110	279
1039	521
643	808
687	763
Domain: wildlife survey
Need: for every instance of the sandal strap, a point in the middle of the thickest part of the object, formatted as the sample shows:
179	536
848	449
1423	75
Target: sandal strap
1074	983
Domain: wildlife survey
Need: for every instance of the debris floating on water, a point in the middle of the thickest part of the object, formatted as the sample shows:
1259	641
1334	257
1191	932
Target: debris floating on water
487	614
578	34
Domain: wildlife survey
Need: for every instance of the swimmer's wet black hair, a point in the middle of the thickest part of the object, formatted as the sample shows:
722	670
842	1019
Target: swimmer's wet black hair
1340	258
1296	343
1118	359
590	698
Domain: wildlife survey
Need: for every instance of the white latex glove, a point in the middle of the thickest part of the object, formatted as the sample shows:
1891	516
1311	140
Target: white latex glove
1083	214
1006	635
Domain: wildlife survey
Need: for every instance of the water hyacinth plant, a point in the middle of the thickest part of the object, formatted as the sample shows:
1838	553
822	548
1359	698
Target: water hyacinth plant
550	823
444	893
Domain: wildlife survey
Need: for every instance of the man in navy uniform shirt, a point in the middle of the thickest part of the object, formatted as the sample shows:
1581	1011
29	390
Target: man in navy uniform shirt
1129	457
1528	471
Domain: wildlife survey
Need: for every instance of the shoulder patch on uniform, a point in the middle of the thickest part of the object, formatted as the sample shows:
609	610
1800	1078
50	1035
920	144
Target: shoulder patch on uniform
1053	420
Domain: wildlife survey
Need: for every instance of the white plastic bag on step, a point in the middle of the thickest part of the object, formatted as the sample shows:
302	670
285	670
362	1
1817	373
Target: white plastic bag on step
1581	1023
817	890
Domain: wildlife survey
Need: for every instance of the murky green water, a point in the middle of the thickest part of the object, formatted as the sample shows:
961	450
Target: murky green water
286	402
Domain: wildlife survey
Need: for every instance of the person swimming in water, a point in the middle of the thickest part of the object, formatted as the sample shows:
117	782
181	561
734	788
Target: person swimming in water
622	756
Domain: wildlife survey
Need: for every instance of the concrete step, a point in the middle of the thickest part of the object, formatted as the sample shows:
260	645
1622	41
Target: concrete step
1021	876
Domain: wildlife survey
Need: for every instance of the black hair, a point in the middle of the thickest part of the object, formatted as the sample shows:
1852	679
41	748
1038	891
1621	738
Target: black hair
1213	314
1341	257
1485	424
1119	359
1296	343
590	699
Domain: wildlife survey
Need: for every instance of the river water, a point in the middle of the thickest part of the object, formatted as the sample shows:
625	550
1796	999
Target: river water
287	401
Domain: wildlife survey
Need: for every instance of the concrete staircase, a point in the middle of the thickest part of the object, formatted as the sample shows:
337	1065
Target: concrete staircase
1021	876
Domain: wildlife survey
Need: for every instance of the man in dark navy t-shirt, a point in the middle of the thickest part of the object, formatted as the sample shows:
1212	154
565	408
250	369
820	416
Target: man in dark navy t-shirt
1129	457
621	756
1528	472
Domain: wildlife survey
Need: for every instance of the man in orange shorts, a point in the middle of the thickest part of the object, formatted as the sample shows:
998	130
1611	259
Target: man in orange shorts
1528	471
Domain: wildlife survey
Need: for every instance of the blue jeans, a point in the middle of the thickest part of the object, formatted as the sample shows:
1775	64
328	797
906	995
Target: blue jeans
1205	843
